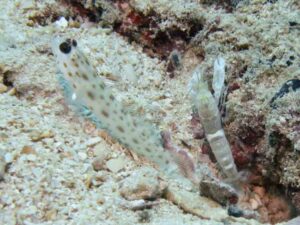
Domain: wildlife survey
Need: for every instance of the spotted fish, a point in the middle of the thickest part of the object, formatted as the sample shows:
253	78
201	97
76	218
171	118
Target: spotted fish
92	94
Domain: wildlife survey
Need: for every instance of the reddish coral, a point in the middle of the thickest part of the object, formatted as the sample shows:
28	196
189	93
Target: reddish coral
242	154
234	86
134	18
144	29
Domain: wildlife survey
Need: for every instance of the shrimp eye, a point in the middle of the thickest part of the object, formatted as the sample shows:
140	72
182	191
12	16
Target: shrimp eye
65	47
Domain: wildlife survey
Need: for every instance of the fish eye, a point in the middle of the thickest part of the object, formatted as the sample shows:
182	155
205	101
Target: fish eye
65	47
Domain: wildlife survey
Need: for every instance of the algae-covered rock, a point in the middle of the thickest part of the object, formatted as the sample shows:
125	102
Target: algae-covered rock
142	184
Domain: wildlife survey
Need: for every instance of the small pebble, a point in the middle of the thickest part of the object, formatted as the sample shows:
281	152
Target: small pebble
100	151
12	92
31	157
38	135
3	88
8	157
93	141
101	156
28	150
82	156
98	163
115	165
61	23
254	204
50	214
100	201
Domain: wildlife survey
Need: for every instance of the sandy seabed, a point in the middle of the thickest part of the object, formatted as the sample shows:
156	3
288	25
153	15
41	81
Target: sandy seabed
57	168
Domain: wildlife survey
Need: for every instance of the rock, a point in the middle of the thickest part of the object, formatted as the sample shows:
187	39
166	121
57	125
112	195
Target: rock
142	184
192	203
218	191
205	208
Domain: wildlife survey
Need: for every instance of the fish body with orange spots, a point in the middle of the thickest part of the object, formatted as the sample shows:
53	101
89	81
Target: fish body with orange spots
90	90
